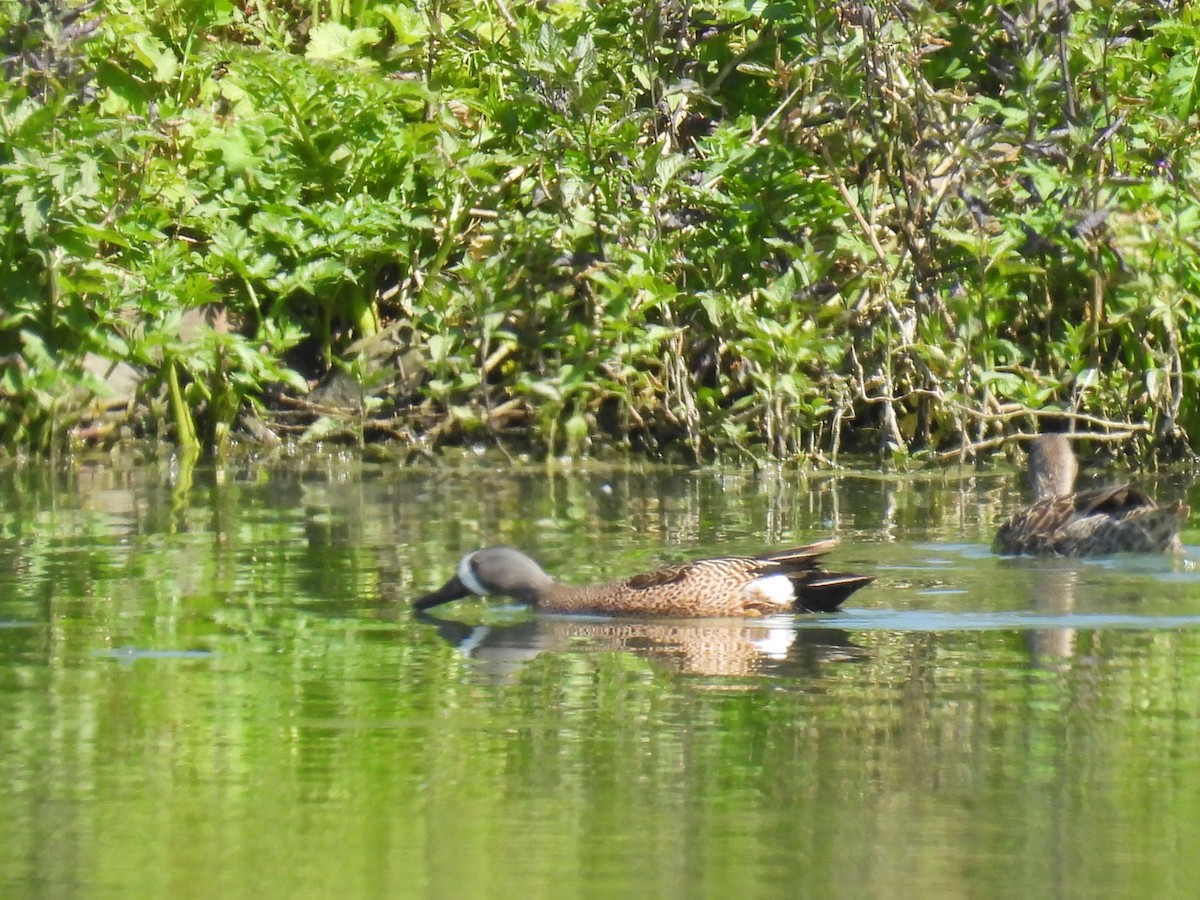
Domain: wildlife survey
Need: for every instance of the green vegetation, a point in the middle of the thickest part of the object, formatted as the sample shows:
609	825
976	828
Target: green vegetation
765	229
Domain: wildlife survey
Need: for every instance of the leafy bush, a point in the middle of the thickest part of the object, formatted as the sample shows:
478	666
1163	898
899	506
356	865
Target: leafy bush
771	229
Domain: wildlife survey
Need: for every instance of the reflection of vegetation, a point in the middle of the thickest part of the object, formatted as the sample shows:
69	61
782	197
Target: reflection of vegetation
331	745
761	230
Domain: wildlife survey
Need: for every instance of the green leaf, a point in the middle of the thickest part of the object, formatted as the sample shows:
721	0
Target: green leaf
333	40
155	55
408	25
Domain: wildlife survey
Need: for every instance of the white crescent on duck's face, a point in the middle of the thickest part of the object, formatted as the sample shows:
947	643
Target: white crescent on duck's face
467	576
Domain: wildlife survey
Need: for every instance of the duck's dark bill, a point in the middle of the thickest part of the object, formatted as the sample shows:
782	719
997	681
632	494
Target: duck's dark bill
451	590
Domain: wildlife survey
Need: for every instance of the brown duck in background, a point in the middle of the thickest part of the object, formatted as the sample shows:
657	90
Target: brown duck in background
1099	522
783	582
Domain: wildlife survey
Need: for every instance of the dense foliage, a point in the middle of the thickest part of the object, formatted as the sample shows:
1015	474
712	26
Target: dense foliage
771	228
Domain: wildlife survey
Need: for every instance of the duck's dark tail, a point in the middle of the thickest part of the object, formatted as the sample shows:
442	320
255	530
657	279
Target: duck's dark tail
816	590
826	591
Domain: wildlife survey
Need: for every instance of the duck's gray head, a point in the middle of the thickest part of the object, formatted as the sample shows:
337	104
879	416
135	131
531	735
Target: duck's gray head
493	570
1052	466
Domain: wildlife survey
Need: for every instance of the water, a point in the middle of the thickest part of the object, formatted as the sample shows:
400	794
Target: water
219	691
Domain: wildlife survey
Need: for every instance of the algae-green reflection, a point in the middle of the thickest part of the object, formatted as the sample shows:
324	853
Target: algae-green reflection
227	696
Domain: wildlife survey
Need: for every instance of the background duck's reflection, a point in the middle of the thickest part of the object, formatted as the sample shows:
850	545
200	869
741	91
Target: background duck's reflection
1051	648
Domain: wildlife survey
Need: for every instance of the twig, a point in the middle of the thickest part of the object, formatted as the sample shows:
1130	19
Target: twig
507	15
867	230
974	448
965	450
1126	429
775	113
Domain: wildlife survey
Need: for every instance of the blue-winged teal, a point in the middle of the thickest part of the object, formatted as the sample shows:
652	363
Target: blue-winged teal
787	581
1090	523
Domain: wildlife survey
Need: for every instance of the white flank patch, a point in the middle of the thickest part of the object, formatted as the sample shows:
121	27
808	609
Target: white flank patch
776	589
467	577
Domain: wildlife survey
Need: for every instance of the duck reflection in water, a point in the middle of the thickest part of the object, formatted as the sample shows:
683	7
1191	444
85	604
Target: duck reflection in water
715	647
1054	595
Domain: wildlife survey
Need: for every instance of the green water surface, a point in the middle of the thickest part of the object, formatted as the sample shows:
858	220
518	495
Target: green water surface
219	691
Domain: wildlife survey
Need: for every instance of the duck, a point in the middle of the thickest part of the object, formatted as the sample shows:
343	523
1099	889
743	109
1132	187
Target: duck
785	581
1100	522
